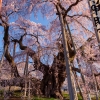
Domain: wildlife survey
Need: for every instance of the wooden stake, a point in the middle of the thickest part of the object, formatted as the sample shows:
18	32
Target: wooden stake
94	81
70	87
83	79
26	74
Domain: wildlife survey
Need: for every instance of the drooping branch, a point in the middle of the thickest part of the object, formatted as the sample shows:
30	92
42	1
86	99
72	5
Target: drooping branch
80	15
22	47
82	25
64	11
37	63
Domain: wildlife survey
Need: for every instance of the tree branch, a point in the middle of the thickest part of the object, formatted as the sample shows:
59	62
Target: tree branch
76	69
7	54
97	74
70	7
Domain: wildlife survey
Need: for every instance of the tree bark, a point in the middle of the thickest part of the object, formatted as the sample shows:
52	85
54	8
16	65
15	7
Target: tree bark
7	54
54	77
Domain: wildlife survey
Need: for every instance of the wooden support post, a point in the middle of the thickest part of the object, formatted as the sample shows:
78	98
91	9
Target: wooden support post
94	81
26	74
2	58
14	50
66	54
78	84
74	85
97	81
83	79
29	83
96	89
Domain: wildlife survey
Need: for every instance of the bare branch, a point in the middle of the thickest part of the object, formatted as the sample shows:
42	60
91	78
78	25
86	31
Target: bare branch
70	7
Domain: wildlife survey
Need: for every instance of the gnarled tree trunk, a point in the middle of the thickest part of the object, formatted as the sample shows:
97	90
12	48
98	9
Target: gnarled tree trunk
7	54
54	77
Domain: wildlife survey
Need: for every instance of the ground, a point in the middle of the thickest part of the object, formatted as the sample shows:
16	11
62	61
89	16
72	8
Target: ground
17	96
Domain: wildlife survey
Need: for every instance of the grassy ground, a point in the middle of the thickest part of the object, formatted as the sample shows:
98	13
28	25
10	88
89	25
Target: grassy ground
17	94
37	98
